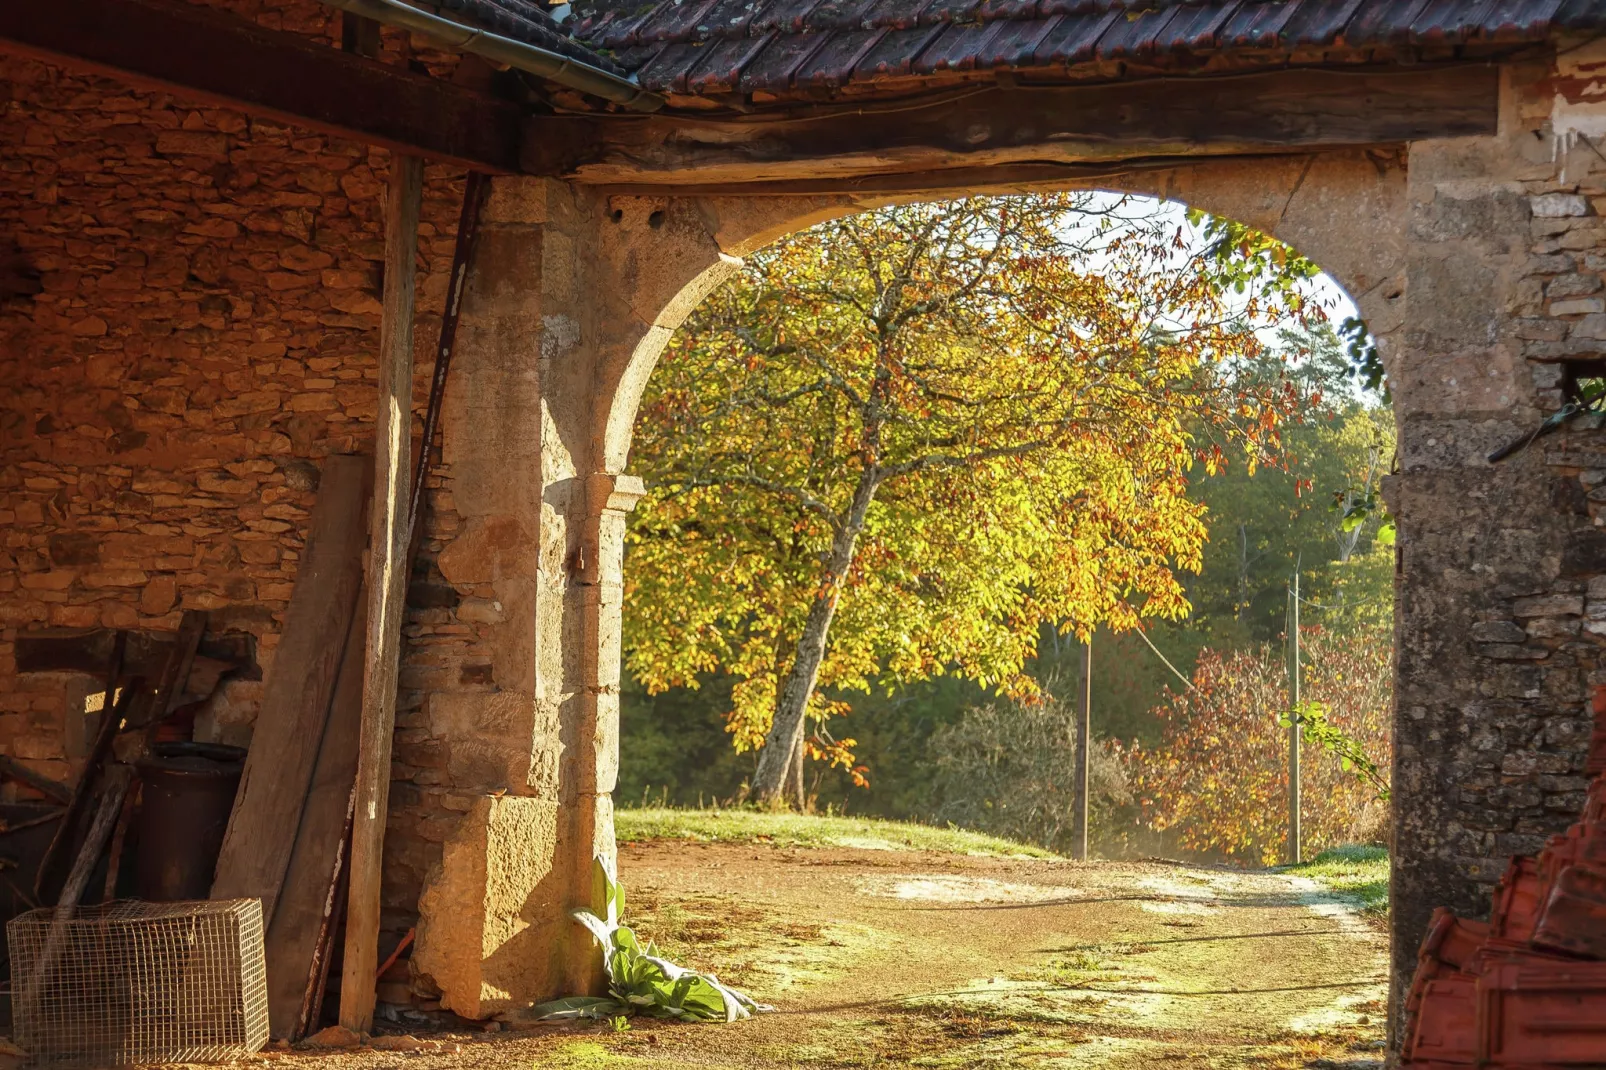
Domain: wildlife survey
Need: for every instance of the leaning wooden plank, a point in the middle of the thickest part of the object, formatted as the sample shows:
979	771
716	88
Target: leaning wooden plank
295	698
387	579
319	855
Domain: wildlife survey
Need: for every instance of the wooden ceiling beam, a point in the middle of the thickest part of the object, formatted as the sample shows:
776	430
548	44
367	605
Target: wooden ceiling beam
211	57
997	130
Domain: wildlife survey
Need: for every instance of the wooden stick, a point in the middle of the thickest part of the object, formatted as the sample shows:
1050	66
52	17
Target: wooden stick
114	857
48	880
30	823
390	960
100	830
50	789
387	588
323	949
111	804
175	671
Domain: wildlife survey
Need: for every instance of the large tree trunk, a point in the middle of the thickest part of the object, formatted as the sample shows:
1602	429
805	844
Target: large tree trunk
786	732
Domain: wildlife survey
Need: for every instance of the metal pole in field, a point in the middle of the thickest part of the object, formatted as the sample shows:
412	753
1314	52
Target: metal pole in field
1294	853
1084	743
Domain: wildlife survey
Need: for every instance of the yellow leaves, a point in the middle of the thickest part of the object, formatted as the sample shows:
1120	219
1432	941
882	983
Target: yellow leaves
1024	386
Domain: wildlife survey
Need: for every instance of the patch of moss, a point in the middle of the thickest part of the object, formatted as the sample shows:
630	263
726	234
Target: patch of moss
1359	874
809	830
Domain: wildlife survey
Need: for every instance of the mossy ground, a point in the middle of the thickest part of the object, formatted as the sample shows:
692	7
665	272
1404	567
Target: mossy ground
1359	874
808	830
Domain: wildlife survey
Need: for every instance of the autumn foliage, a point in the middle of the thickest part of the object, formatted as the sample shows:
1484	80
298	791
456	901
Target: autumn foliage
1216	784
896	445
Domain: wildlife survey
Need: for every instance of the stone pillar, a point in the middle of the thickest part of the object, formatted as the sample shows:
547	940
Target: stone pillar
1494	560
521	749
493	927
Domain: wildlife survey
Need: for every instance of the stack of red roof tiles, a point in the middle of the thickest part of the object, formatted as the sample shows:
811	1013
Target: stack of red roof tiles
744	46
1527	988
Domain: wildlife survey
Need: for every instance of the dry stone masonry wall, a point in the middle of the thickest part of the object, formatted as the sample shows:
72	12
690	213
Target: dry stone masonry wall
188	326
1502	567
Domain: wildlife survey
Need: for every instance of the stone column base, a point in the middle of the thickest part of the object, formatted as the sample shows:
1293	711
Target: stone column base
488	917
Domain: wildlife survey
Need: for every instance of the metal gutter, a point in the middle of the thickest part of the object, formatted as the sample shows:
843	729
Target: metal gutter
535	60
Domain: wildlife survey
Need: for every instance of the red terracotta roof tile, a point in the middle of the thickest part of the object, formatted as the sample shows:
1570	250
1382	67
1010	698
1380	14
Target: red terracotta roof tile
1074	38
720	70
895	53
1194	29
773	67
832	66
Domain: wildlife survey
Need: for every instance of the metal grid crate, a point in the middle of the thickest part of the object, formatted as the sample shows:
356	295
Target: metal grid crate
132	982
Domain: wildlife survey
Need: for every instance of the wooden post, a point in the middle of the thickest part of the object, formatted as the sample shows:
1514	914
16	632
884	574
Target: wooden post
1295	847
387	591
1084	745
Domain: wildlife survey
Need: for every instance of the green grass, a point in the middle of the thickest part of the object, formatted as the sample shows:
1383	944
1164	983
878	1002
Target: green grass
805	830
1360	874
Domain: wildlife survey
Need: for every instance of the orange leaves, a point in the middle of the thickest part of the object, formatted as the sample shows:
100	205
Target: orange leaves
1217	781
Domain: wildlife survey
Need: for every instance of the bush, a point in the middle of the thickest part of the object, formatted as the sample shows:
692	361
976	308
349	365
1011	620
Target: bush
1009	769
1216	784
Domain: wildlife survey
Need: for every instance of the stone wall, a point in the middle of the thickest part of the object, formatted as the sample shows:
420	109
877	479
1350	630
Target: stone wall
188	326
1502	567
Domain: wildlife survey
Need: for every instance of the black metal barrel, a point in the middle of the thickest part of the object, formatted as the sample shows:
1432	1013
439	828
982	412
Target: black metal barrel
184	810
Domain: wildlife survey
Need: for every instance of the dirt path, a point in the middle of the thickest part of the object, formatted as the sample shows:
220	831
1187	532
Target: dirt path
891	959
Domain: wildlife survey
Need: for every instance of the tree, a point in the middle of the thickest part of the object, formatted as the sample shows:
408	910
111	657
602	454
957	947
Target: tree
1010	769
1217	781
896	445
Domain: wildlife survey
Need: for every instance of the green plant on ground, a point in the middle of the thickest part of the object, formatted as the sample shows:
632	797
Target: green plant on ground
1358	873
641	982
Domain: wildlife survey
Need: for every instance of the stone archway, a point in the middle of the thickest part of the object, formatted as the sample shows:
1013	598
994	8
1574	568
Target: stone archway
1448	247
592	285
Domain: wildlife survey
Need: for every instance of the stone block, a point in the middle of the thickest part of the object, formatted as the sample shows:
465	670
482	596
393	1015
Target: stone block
1577	306
1558	205
490	912
1498	631
1549	605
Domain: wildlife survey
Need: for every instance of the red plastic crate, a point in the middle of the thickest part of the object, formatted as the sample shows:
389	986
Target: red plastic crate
1444	1028
1574	915
1517	900
1535	1011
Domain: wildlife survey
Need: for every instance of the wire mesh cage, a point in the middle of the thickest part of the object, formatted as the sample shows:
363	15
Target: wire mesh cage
132	982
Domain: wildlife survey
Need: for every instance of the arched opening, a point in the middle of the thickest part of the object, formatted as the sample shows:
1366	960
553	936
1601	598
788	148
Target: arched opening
1162	901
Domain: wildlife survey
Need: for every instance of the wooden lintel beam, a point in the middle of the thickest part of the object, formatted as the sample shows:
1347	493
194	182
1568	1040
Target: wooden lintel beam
212	57
881	146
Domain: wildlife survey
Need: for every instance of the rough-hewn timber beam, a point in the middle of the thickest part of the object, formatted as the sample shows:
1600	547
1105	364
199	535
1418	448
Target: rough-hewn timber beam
206	55
1032	128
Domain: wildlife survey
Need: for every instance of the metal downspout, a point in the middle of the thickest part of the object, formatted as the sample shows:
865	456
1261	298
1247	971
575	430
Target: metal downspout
535	60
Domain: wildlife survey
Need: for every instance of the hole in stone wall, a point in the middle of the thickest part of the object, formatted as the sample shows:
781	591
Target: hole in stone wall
656	220
617	215
1584	382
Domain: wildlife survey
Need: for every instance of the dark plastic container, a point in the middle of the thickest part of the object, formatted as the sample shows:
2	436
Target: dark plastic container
187	794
